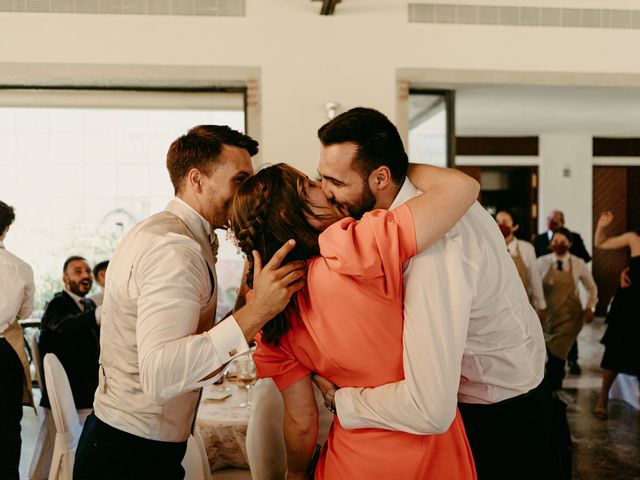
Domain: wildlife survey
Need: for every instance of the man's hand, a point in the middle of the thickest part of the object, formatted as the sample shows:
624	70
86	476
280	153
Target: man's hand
587	316
625	280
273	287
542	315
324	385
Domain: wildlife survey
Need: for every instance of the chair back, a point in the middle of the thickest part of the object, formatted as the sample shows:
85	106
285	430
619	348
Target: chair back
265	439
195	461
65	418
37	360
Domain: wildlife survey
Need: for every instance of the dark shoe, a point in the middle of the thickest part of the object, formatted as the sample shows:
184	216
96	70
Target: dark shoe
574	368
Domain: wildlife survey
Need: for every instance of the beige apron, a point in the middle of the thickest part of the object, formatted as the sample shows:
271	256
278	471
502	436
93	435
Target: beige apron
522	271
564	311
15	336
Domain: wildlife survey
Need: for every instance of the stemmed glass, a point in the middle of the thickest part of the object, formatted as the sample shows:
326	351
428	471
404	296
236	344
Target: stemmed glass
245	377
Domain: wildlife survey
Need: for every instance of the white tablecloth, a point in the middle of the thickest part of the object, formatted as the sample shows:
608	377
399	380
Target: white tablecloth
223	427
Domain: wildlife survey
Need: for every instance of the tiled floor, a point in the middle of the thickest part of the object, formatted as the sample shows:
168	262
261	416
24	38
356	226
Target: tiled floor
603	450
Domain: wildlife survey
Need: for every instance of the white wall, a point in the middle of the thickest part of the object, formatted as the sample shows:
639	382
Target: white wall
571	154
301	59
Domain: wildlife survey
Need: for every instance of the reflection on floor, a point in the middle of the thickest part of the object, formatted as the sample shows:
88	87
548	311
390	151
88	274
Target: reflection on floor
603	450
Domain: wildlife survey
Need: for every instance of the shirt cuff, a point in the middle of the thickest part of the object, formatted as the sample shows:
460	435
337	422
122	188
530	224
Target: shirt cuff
228	340
345	407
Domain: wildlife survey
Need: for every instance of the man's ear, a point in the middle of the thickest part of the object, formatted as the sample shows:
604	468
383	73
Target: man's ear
380	178
515	228
194	180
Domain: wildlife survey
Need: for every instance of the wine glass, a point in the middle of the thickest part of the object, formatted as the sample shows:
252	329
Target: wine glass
245	377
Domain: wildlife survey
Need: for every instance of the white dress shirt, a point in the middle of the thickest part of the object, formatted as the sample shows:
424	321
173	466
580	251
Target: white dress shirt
528	254
153	358
16	287
465	313
579	270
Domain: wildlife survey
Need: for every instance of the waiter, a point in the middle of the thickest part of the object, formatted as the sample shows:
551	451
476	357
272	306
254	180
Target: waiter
524	257
565	316
16	302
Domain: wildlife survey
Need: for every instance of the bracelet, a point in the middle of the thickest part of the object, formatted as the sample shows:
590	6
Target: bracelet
328	401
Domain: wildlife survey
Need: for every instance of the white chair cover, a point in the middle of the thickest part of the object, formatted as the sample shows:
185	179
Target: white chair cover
265	439
195	461
65	418
626	388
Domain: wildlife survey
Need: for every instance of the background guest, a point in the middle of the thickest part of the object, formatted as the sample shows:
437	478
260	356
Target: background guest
524	256
541	244
621	353
16	302
69	328
99	273
565	315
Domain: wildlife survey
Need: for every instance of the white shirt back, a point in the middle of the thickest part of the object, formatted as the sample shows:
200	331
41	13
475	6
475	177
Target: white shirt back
17	287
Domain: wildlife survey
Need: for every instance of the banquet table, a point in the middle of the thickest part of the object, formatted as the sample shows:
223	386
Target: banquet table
222	423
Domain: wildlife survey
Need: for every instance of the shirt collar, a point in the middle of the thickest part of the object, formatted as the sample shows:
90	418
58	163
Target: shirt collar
512	245
563	259
406	192
75	297
196	222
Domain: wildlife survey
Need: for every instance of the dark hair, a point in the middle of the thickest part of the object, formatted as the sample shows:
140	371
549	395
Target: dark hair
563	231
378	141
7	216
99	267
269	209
200	148
72	258
514	217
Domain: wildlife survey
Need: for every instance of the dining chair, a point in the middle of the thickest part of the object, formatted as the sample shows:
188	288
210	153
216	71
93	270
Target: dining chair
65	418
195	461
265	439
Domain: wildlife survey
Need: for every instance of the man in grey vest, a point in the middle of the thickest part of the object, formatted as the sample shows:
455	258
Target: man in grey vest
158	342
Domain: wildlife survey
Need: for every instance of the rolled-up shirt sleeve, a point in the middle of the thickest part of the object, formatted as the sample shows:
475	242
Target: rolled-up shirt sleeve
174	286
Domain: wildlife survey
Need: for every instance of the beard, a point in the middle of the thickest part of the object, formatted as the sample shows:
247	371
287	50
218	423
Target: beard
80	288
361	205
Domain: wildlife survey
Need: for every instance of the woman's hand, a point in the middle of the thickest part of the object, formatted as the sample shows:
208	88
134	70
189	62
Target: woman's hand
587	316
605	219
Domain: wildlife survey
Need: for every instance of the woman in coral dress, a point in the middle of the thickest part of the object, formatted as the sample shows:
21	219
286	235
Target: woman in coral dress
346	323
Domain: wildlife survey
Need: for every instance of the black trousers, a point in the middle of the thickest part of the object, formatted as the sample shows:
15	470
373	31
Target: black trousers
573	353
555	372
11	386
106	453
514	438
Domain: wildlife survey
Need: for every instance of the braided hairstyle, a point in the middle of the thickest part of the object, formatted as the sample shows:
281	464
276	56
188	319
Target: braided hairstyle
269	209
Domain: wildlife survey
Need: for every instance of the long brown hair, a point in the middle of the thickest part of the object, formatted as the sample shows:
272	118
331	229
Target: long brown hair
270	209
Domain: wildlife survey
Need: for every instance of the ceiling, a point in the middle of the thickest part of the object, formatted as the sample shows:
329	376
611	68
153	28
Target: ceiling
531	110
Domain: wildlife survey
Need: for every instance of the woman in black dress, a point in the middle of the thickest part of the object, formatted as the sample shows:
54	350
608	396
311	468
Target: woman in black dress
621	354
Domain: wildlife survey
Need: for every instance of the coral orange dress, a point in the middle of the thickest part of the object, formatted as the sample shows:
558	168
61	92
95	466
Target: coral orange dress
348	328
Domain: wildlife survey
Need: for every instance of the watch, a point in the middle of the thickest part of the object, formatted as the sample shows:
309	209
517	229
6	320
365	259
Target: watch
328	401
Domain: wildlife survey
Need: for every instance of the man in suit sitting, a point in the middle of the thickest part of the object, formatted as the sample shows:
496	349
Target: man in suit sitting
69	329
541	244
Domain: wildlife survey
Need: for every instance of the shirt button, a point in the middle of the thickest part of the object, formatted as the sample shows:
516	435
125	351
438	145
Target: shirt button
233	351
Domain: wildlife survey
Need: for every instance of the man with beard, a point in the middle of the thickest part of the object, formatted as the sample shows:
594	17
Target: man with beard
159	345
69	328
470	336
